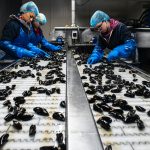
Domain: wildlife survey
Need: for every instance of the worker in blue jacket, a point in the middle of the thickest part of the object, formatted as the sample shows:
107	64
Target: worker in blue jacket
113	35
16	33
37	36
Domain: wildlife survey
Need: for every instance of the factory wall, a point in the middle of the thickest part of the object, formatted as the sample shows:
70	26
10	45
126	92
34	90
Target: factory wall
119	9
8	7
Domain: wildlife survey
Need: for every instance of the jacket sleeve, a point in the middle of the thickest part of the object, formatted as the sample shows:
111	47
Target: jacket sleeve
125	50
10	31
48	45
15	50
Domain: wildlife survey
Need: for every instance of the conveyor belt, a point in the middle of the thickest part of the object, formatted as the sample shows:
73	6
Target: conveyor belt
46	127
80	129
122	136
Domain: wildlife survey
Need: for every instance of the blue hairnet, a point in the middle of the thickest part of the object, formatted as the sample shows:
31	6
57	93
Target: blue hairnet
41	18
97	17
29	7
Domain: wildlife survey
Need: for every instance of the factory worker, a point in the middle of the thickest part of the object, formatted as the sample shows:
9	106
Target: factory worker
113	35
37	36
16	32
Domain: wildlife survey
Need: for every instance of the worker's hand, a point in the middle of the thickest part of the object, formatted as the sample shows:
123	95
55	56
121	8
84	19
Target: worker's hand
96	55
114	54
38	51
57	48
21	52
92	59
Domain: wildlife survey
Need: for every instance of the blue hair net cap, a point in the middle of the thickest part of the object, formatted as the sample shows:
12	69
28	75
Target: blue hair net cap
97	17
41	18
29	7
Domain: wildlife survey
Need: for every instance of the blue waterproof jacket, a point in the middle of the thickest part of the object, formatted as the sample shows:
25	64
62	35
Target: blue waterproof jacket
38	38
16	44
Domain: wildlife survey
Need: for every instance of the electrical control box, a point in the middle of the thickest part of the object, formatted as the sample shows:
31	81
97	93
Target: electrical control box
74	34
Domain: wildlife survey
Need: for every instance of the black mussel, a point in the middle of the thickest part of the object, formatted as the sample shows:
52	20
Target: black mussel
62	80
122	70
126	107
101	91
58	90
83	77
129	94
96	97
2	97
139	92
59	138
58	116
15	110
9	117
48	148
139	108
108	119
53	90
91	100
32	88
48	92
134	80
10	108
38	74
17	125
63	104
32	130
79	63
19	99
148	113
104	124
134	75
25	117
41	111
119	102
146	83
117	115
38	78
27	93
41	90
140	124
108	147
120	111
97	108
13	86
106	87
6	103
92	81
90	92
108	81
131	118
91	87
117	90
105	107
146	94
4	139
20	112
85	84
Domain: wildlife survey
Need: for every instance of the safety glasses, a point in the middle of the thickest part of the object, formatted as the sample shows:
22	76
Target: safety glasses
98	26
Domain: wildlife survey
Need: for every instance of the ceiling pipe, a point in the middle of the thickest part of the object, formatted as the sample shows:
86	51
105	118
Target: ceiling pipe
73	12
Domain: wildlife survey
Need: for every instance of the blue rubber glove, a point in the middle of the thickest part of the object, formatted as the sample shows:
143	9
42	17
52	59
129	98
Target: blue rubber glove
25	53
50	46
96	55
37	50
124	51
15	50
